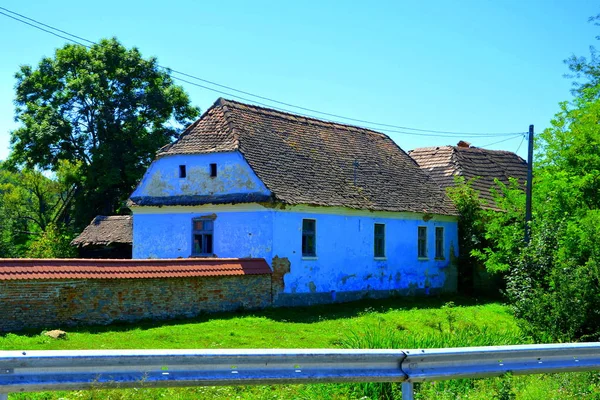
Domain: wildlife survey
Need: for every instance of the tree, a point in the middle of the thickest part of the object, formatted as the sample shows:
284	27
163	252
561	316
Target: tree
104	108
31	204
54	242
554	281
585	71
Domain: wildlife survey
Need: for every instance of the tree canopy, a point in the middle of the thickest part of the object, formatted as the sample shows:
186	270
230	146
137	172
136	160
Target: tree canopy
105	109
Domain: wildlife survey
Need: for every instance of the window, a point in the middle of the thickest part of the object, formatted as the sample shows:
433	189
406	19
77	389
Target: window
379	249
202	237
309	234
422	242
439	242
213	170
182	172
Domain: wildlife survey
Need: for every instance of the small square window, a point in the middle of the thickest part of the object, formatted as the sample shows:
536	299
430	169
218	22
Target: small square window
213	170
379	240
309	237
182	171
422	242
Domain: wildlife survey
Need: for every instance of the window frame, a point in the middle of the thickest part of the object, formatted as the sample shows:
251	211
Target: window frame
309	233
422	239
205	234
379	236
439	243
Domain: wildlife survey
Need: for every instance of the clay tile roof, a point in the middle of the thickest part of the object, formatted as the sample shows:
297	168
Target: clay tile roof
444	162
104	230
24	268
304	160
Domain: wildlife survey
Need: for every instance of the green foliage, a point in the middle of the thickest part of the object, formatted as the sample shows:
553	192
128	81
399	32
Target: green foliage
30	204
554	281
106	110
504	230
52	243
555	287
471	230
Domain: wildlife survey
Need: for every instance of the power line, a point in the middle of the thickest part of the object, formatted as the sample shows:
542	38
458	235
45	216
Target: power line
522	140
47	26
336	115
42	29
500	141
311	116
443	133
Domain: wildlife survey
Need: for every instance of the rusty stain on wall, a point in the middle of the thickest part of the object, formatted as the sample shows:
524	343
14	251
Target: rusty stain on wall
281	266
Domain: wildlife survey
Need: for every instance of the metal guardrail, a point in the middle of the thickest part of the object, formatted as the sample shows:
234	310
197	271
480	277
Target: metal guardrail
32	371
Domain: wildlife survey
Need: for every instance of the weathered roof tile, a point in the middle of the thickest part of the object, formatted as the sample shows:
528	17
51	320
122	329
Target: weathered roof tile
444	162
104	230
304	160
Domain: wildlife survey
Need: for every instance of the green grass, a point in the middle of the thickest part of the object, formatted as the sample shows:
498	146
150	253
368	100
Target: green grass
391	323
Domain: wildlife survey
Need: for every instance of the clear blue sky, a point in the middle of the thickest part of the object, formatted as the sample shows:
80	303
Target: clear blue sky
469	66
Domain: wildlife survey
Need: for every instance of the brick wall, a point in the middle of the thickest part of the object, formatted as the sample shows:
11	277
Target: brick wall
55	304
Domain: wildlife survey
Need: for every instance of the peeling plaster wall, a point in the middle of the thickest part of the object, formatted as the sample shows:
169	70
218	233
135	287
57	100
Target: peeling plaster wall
345	267
167	233
234	176
345	260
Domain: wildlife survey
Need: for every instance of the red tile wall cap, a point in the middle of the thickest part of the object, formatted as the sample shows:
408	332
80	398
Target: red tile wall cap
73	268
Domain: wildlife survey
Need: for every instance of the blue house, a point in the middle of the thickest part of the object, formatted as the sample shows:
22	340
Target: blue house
338	211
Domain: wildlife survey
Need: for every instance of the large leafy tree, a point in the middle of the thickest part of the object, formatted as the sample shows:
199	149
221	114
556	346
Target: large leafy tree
104	108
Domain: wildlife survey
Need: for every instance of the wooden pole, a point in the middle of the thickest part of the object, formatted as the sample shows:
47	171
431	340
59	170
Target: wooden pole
529	185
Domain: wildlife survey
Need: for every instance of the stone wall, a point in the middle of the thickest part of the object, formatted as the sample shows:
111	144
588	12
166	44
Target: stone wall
54	304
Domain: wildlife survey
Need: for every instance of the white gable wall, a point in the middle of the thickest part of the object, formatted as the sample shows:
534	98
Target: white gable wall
234	176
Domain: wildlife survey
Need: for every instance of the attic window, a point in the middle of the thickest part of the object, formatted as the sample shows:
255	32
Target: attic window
182	172
213	170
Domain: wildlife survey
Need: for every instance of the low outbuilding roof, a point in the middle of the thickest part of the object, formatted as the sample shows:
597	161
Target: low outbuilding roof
105	230
304	160
443	163
23	268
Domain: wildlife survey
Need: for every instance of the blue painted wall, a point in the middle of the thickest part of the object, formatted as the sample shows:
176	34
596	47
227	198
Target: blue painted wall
345	256
236	233
345	252
234	176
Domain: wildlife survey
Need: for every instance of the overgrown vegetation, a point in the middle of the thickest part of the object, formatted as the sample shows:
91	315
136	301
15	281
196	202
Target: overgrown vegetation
553	282
471	231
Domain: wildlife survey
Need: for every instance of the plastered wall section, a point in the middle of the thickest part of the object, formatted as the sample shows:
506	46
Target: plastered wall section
345	258
234	176
166	232
46	304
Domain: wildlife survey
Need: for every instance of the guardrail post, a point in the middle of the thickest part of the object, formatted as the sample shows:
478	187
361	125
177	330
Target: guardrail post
408	391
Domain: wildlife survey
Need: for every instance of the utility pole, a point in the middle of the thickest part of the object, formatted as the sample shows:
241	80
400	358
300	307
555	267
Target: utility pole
529	185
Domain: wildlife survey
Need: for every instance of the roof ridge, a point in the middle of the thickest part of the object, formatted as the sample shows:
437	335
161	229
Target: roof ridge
296	117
